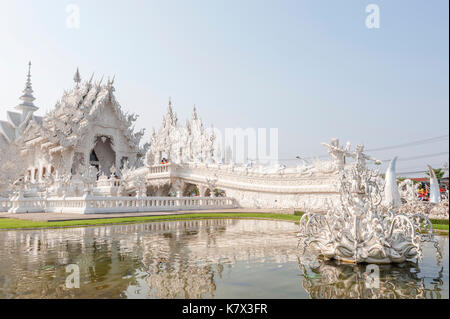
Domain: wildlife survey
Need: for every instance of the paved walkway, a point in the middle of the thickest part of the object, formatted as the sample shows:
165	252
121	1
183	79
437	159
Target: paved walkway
53	217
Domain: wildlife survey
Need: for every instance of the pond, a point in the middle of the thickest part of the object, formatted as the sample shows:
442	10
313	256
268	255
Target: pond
217	258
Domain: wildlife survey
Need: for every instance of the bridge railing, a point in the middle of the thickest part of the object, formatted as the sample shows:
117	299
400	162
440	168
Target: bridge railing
5	204
160	168
96	205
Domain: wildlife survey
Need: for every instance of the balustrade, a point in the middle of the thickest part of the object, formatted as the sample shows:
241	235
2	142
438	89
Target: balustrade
5	204
92	205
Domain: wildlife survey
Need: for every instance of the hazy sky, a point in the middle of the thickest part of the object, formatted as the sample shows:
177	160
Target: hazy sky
312	69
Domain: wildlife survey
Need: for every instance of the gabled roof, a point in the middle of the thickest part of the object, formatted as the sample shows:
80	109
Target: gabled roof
38	119
67	122
17	123
8	131
14	118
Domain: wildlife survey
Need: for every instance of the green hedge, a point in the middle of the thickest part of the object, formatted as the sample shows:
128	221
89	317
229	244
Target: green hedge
439	221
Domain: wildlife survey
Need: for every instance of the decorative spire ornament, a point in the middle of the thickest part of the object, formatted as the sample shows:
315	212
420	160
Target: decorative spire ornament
194	113
27	98
77	77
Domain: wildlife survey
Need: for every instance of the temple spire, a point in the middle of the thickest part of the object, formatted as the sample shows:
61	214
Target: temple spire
27	98
194	113
77	77
171	116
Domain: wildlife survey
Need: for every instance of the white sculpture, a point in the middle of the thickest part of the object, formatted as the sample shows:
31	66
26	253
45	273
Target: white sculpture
360	230
391	193
337	153
435	194
435	208
361	157
408	191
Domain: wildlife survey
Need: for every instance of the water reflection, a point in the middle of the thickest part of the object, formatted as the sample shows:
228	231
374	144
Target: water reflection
342	281
222	258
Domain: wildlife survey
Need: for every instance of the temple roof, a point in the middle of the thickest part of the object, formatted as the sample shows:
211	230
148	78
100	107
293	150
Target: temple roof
17	122
15	119
69	120
8	131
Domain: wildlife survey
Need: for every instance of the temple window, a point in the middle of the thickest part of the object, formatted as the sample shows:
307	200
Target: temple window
93	157
123	160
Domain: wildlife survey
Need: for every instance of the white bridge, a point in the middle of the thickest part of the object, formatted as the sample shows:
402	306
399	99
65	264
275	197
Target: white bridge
250	187
172	187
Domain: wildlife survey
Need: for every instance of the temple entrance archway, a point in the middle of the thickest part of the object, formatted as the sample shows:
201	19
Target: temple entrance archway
103	155
191	190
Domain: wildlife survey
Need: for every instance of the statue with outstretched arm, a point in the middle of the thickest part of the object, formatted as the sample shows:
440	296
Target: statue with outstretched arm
360	157
337	153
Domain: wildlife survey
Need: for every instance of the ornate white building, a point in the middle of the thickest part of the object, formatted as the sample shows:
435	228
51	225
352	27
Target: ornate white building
85	157
190	143
86	126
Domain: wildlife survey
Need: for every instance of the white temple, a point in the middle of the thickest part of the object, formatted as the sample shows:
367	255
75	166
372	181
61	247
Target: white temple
85	157
86	126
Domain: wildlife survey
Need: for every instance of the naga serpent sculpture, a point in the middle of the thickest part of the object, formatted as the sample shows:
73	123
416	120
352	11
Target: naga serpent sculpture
360	229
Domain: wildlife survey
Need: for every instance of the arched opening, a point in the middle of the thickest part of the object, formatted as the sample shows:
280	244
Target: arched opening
93	159
103	156
191	190
220	193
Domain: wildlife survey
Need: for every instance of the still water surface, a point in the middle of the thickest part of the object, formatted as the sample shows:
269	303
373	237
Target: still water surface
224	258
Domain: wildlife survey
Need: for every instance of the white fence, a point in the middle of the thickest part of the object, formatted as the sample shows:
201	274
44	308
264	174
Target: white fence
96	205
5	204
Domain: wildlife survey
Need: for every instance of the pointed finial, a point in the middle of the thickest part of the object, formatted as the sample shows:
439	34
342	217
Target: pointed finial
28	83
92	76
27	98
77	77
110	86
170	102
194	113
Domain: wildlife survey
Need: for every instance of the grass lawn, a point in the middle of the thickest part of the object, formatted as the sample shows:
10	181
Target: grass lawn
10	223
440	226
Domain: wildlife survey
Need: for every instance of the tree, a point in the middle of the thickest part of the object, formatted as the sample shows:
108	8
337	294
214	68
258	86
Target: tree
440	172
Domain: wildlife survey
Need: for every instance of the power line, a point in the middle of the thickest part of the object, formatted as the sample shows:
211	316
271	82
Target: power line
404	159
413	172
415	143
